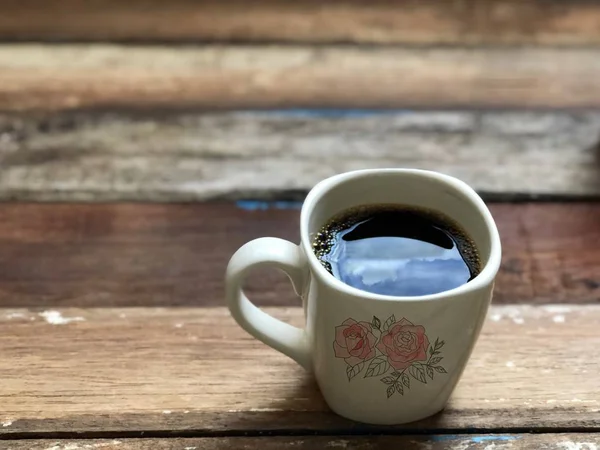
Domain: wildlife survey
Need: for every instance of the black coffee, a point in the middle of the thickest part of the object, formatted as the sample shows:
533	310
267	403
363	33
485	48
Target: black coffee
397	250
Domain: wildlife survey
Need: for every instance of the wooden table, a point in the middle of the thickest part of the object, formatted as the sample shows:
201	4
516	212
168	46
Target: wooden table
142	143
114	335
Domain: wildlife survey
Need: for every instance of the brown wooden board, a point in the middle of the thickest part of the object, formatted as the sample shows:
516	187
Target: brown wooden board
176	254
554	441
144	372
382	21
55	77
154	156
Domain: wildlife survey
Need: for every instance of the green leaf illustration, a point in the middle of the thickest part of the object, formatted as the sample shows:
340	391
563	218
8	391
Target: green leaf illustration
396	374
376	323
406	380
378	366
388	380
352	371
440	369
429	371
431	350
418	373
435	360
399	388
390	391
439	344
388	323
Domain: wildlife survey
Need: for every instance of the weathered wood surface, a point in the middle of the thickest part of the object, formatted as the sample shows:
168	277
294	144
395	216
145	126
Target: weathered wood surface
556	441
161	255
193	156
381	21
120	372
52	77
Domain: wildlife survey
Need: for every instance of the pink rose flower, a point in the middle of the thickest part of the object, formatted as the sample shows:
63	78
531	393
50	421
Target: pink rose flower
354	342
404	344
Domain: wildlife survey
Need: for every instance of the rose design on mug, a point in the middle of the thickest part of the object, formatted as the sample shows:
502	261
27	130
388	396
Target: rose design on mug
397	346
354	341
404	344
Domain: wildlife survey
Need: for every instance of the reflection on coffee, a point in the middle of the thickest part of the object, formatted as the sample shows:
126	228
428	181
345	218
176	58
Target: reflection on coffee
397	250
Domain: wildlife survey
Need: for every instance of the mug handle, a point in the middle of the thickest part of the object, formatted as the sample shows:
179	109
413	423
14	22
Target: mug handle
287	339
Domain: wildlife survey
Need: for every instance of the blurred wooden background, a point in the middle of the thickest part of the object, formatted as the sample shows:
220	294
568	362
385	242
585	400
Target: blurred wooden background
460	22
140	100
142	142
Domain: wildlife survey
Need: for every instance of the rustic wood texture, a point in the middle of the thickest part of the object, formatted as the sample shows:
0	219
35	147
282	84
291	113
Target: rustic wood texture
194	156
311	21
53	77
129	255
121	372
167	255
556	441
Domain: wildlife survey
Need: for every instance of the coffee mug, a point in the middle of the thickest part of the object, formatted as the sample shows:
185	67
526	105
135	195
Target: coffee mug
376	358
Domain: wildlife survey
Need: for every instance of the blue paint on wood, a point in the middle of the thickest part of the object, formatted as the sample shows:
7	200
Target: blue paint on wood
333	113
445	437
478	439
257	205
475	439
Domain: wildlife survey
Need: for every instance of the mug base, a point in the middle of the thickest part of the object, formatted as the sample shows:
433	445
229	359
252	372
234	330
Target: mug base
397	420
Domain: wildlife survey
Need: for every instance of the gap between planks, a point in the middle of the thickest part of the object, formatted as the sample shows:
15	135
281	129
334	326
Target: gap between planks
158	370
178	156
311	21
56	77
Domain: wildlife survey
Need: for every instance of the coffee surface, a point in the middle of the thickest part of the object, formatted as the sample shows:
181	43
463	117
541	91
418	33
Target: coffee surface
397	250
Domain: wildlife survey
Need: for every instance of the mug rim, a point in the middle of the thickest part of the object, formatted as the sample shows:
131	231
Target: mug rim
482	280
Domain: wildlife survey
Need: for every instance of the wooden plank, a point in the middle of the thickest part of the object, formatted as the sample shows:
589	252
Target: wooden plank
311	21
194	156
124	372
166	255
564	441
54	77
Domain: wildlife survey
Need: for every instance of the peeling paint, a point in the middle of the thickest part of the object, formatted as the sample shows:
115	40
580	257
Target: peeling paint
56	318
557	309
16	315
460	442
73	446
265	410
570	445
341	443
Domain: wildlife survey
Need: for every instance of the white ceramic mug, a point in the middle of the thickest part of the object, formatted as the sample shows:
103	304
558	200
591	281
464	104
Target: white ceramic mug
351	339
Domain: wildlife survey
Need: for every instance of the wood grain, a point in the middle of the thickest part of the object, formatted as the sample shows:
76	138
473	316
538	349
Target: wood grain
167	255
55	77
197	156
560	441
311	21
123	372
